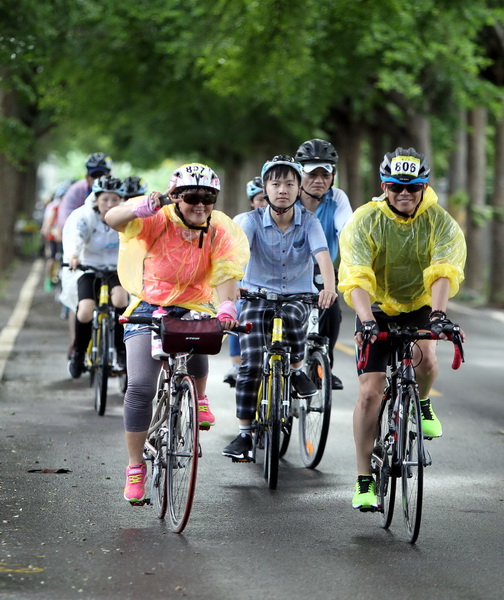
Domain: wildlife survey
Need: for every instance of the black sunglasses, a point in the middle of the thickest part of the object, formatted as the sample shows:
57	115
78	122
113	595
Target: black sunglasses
412	188
195	198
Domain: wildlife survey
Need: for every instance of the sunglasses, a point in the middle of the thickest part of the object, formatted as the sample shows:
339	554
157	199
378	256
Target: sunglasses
194	198
412	188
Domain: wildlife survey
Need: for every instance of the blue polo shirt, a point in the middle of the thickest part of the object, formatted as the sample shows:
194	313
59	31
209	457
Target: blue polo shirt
281	261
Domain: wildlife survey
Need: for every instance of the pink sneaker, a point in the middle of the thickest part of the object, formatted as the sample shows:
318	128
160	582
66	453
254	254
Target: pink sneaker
136	478
205	416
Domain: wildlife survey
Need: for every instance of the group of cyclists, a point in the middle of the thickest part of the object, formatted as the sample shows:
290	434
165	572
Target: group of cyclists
401	258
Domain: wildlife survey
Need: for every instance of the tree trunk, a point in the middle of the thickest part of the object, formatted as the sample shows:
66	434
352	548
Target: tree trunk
9	191
421	140
457	185
497	258
476	224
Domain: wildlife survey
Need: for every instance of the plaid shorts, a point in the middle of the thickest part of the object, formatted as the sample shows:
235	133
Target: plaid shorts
260	315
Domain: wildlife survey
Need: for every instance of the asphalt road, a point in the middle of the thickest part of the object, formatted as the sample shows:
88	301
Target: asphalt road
72	535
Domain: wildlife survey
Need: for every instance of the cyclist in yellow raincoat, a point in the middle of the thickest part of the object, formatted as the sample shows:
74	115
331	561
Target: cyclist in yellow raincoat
185	256
402	258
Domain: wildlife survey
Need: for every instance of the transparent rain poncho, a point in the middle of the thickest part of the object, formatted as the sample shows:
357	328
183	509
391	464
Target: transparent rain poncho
397	260
161	262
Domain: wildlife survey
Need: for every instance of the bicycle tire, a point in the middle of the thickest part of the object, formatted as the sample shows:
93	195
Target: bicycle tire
382	461
183	453
272	445
315	412
102	368
412	463
285	436
159	439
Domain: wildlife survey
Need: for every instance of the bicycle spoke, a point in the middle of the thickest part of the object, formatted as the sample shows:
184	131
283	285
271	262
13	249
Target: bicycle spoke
383	458
183	454
315	412
412	464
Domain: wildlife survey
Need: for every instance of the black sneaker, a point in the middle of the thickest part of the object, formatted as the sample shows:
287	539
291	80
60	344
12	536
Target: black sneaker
303	385
336	383
76	365
240	447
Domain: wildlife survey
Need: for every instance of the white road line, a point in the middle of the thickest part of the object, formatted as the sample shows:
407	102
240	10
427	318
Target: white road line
9	333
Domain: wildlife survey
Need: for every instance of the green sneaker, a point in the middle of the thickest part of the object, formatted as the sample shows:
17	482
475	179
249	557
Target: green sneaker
431	425
365	493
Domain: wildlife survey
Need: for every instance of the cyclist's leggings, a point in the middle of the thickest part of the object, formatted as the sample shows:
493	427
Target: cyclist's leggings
143	371
379	351
257	312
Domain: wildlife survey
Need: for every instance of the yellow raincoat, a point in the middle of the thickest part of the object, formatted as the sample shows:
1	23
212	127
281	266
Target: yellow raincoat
160	260
397	260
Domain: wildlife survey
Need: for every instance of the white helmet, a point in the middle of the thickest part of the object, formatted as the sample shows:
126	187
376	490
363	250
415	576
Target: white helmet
194	175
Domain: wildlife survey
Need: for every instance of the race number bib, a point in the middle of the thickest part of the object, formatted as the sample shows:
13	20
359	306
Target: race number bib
405	165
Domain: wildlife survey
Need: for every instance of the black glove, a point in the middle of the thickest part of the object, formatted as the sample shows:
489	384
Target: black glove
368	329
442	325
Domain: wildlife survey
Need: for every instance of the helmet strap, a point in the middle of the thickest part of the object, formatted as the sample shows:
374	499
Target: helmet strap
276	209
202	228
319	198
405	215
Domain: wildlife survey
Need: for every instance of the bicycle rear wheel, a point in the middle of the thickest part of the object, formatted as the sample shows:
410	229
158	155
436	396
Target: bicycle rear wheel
159	439
183	453
102	368
412	463
272	437
382	461
315	412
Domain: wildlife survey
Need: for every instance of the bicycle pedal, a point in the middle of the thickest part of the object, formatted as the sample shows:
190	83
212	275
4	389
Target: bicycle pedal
241	460
204	427
371	509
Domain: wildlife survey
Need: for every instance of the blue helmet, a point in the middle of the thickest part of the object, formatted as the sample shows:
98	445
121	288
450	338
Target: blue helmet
98	164
133	186
404	166
107	183
254	187
282	159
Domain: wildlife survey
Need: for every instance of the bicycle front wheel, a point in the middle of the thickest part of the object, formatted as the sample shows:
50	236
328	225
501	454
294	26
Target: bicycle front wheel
273	429
382	461
412	463
315	412
102	368
183	453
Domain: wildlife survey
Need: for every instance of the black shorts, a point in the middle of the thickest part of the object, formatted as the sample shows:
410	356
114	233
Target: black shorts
379	351
88	285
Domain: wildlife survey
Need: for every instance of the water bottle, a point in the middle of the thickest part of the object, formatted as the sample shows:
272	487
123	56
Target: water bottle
156	342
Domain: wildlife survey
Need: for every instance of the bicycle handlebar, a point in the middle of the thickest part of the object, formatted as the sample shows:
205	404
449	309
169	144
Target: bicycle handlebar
263	294
408	335
81	267
144	320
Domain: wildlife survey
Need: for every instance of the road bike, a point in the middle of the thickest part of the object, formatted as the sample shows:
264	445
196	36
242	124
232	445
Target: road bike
399	450
101	356
101	359
314	413
172	446
278	403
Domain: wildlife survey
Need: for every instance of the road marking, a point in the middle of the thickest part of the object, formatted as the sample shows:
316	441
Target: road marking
4	568
9	333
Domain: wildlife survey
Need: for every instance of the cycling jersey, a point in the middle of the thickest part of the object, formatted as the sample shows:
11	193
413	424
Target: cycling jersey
333	211
85	235
161	261
395	259
74	197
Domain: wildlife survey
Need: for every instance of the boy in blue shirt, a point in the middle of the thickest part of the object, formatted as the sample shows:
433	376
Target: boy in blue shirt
283	238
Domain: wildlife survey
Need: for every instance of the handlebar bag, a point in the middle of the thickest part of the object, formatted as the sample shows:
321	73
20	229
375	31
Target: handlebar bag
197	336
